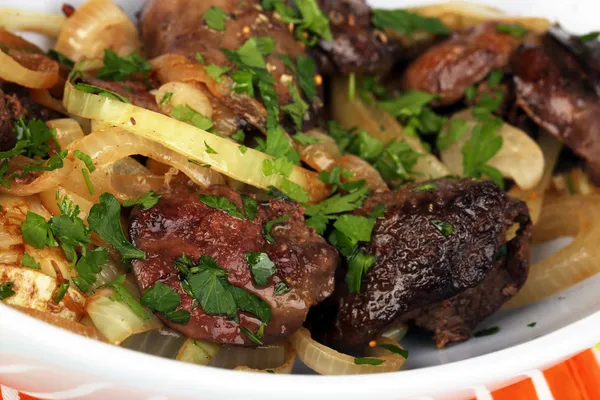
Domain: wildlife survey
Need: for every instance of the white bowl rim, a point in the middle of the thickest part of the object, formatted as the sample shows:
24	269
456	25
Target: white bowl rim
133	368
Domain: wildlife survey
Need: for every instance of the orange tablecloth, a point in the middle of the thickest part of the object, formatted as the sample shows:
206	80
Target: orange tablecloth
575	379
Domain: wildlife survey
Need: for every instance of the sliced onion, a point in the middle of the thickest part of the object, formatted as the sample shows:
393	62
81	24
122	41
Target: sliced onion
320	155
565	216
15	42
67	131
534	197
327	361
396	332
31	70
519	159
14	19
45	181
36	290
261	357
184	94
158	342
44	98
458	15
285	368
105	147
362	170
95	26
383	126
75	327
114	319
177	68
51	197
198	352
190	142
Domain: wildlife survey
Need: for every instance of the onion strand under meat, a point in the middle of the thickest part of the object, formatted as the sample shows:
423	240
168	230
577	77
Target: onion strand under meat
31	70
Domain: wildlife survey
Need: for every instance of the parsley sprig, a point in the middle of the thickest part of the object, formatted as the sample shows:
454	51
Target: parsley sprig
117	68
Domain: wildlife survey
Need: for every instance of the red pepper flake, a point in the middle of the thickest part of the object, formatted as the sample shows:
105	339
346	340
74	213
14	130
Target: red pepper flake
132	120
68	9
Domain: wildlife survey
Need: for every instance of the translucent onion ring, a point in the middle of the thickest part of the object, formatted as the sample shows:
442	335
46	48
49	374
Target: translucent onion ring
564	216
15	42
320	156
362	170
108	146
190	142
285	368
44	98
327	361
47	180
31	70
95	26
31	21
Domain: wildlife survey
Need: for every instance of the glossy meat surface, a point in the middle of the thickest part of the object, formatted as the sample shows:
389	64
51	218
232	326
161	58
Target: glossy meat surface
466	58
180	223
417	265
357	47
555	94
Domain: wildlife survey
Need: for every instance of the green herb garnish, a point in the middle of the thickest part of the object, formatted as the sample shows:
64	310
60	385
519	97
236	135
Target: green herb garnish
261	266
118	68
368	361
215	18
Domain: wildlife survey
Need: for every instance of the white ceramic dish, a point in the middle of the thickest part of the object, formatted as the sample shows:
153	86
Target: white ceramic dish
54	364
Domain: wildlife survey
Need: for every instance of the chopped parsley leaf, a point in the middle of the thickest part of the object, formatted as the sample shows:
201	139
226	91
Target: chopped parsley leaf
470	93
378	211
166	99
309	20
215	72
221	203
512	29
32	137
6	290
305	139
298	108
243	82
163	299
306	76
87	160
445	228
87	88
269	226
294	191
394	349
61	58
487	332
36	231
62	290
243	149
406	22
253	337
531	325
589	36
199	58
239	136
483	145
250	206
146	201
185	113
29	262
209	149
88	181
105	220
118	68
88	266
456	130
424	187
358	265
124	296
215	18
338	177
279	166
261	266
281	288
368	361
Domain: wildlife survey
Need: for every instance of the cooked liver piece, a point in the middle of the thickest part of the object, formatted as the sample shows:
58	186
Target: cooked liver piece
555	92
466	58
180	223
447	284
357	47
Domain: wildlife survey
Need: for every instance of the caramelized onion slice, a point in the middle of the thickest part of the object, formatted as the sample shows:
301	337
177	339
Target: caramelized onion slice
35	71
520	157
115	320
285	368
45	181
327	361
564	216
15	42
534	197
362	170
14	19
183	94
95	26
321	155
199	352
189	142
458	15
383	126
